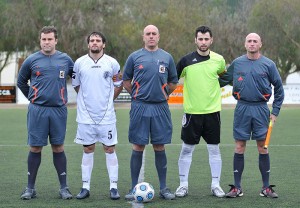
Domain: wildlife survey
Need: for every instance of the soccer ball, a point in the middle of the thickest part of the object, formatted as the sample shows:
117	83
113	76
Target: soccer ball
143	192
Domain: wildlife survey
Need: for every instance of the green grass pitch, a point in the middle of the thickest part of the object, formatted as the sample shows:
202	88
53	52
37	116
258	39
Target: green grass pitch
284	152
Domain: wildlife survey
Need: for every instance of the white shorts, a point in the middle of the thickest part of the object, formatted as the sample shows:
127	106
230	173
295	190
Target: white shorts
91	133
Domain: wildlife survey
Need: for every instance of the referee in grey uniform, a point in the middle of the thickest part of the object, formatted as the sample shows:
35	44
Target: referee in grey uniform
150	77
47	71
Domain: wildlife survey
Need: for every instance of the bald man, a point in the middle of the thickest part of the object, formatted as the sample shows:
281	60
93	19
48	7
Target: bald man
252	76
150	77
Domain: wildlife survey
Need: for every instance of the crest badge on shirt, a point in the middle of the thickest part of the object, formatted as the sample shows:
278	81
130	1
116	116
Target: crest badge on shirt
61	74
162	69
183	121
107	74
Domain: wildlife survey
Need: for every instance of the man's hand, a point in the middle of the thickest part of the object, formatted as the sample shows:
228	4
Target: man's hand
117	77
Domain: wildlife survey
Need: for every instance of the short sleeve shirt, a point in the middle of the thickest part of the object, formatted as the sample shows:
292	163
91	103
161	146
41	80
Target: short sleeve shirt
150	72
201	89
48	78
96	92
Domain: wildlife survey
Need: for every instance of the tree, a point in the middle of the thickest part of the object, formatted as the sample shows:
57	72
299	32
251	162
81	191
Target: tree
176	21
122	22
276	21
73	19
5	50
229	26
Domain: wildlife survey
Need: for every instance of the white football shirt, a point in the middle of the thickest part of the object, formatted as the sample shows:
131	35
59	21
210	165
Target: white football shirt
95	96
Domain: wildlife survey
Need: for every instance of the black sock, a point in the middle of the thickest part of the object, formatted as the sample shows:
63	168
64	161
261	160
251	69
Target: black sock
33	163
264	167
135	166
60	164
161	167
238	168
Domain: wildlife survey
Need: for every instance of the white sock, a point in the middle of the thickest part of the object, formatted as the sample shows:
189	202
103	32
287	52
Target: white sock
86	169
184	163
215	163
112	169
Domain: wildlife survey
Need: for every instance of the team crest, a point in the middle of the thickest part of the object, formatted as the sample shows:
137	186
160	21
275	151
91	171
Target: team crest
61	74
183	121
107	74
162	69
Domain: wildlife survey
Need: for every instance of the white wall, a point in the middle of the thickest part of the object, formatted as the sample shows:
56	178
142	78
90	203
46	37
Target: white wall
293	78
8	74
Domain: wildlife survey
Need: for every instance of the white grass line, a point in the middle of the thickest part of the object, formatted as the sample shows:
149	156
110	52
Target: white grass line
136	204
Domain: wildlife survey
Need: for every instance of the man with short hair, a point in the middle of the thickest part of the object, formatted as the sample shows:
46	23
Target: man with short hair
252	76
202	105
96	118
150	77
47	71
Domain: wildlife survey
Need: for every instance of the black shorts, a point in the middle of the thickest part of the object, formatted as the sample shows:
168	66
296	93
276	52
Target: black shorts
196	125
